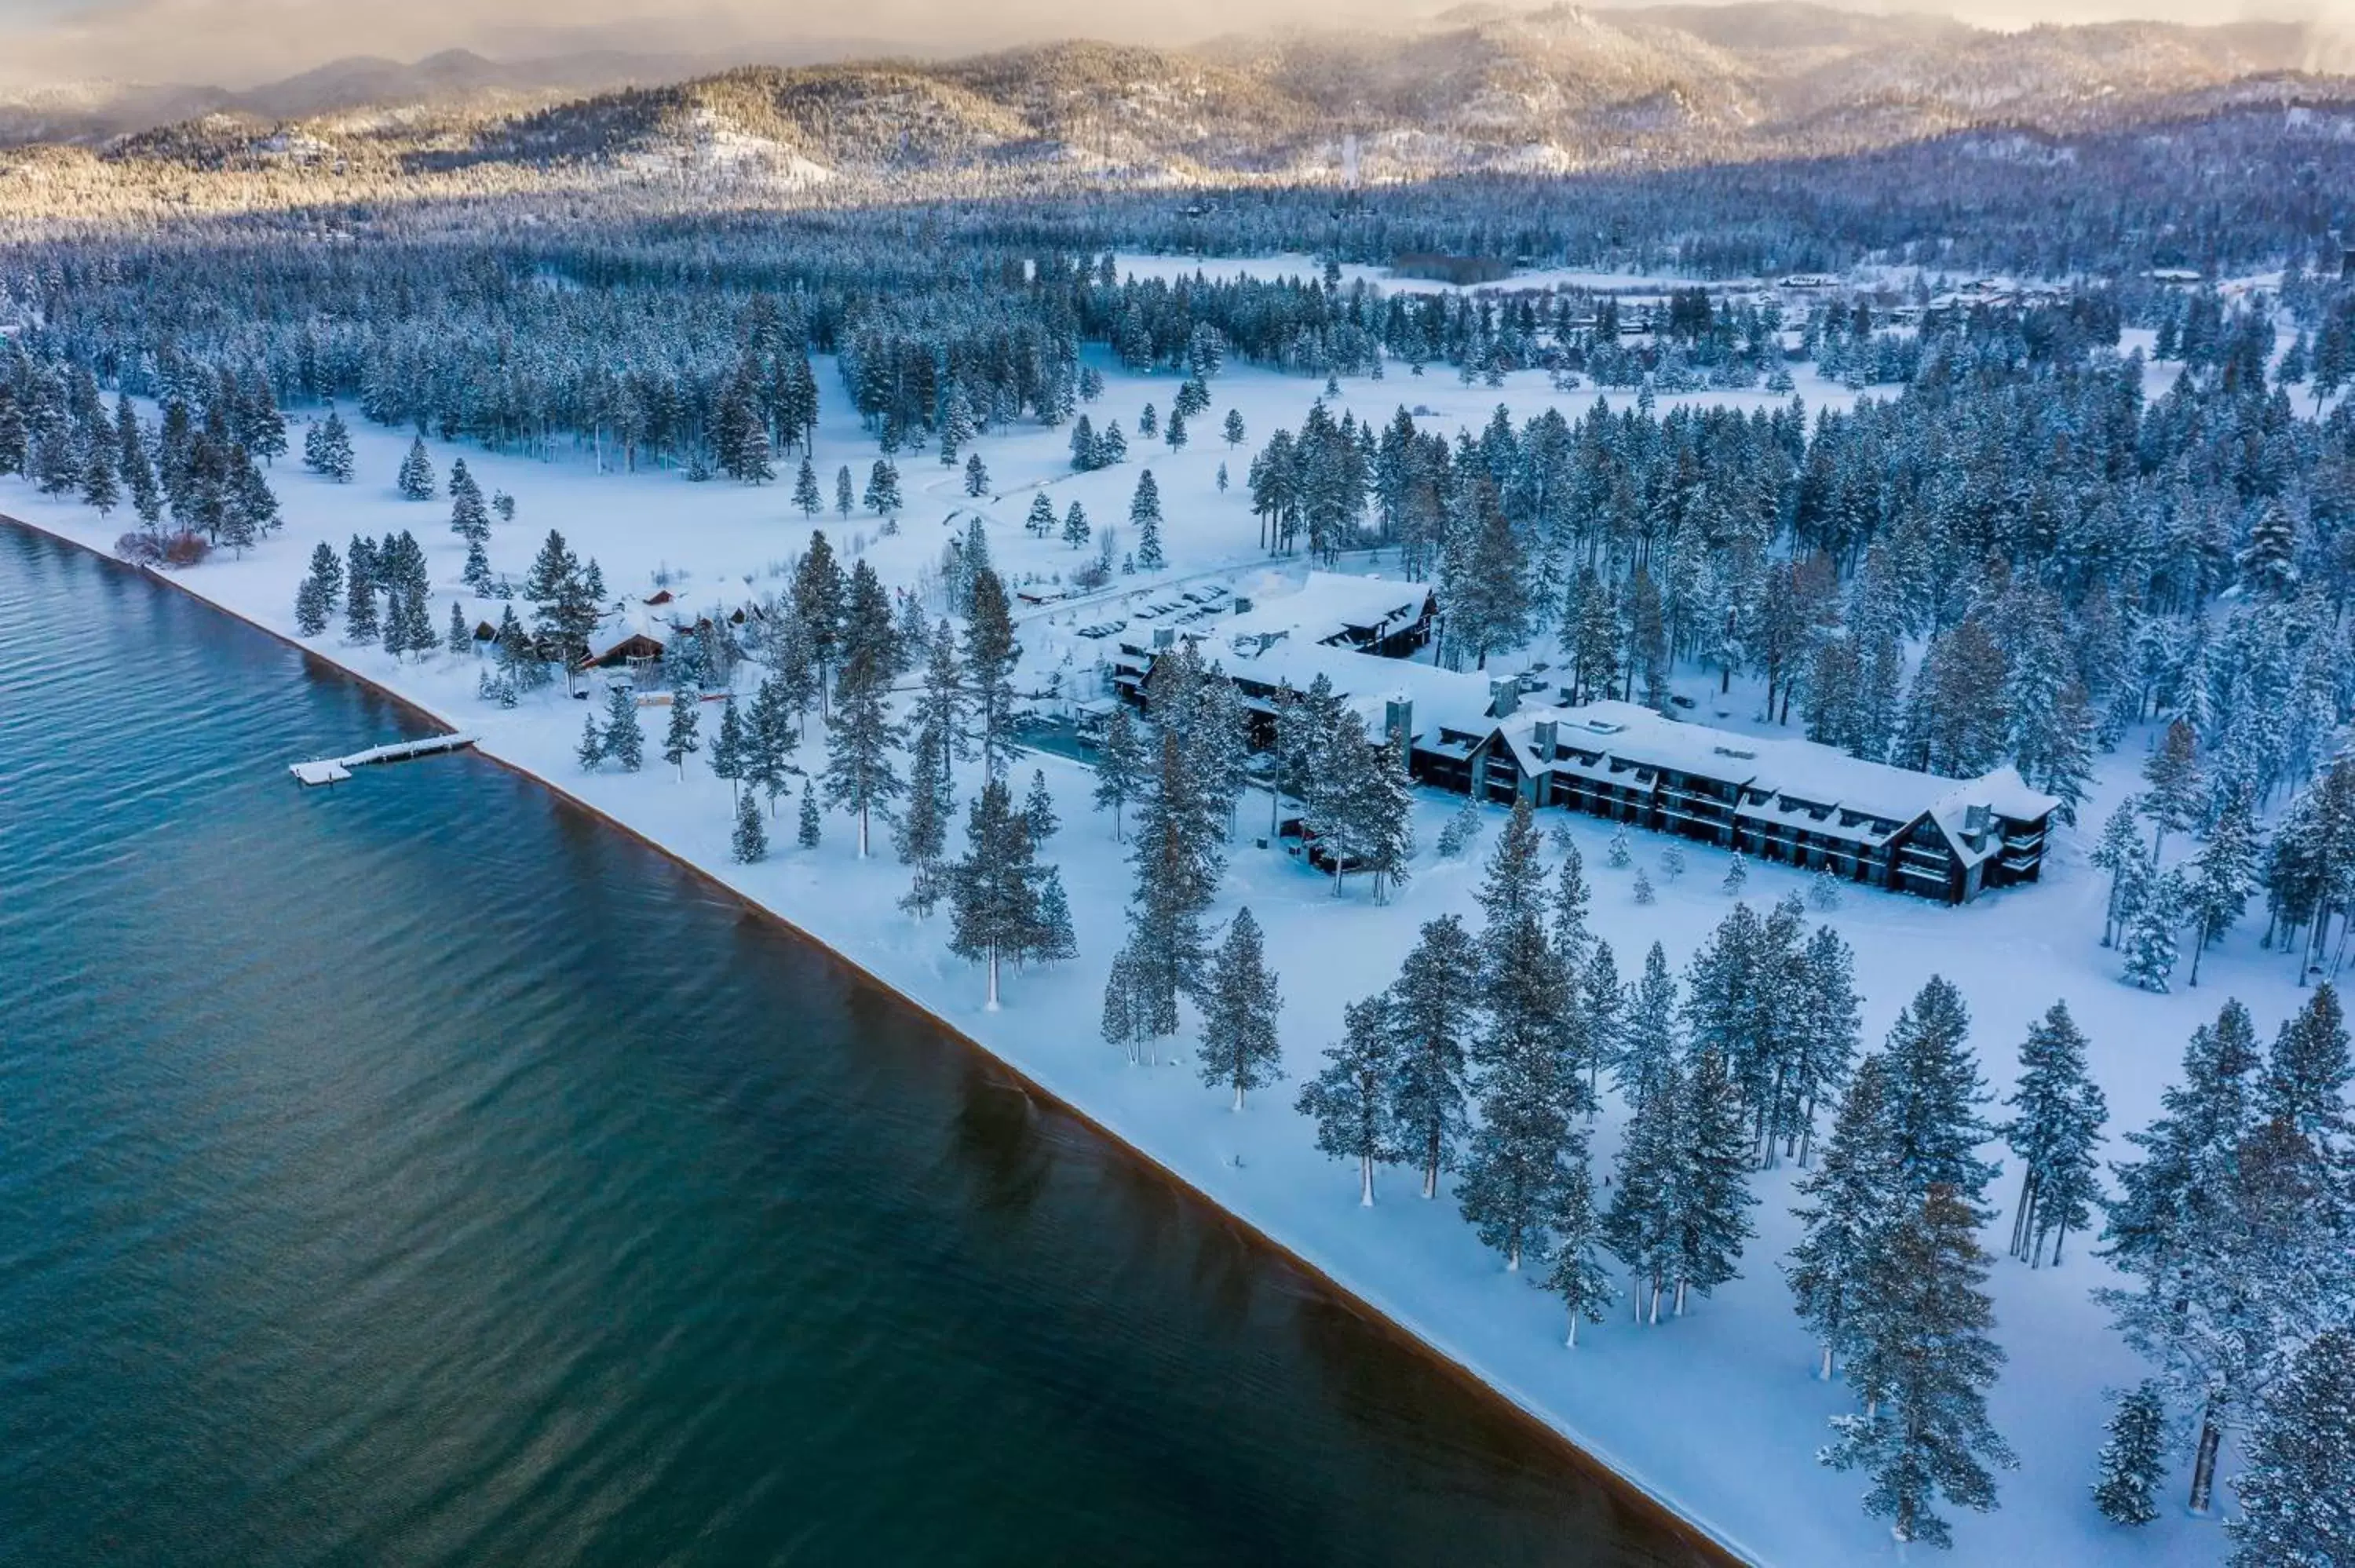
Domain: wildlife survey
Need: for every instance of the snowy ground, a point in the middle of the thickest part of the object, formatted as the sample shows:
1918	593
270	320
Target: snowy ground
1718	1415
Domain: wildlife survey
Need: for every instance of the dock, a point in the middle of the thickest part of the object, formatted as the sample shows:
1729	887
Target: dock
336	769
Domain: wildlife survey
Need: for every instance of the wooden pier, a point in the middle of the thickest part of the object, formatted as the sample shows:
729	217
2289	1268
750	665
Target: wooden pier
336	769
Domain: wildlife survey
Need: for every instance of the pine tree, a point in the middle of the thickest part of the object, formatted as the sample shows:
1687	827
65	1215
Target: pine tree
883	489
1618	856
1076	531
1709	1192
1641	1226
2058	1125
680	739
1604	1001
1648	1038
2173	774
731	749
920	836
860	737
460	639
993	891
2154	909
2297	1493
1038	810
1848	1204
1574	1270
1935	1093
1350	1100
2221	877
336	459
1239	1002
750	843
416	480
2119	852
976	477
591	750
1923	1364
808	499
808	834
1642	887
1144	516
469	518
1233	429
1737	873
2306	1076
844	496
317	597
624	741
100	488
990	656
2134	1460
1430	1008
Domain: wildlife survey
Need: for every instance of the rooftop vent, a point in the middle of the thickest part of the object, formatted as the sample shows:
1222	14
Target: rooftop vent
1735	751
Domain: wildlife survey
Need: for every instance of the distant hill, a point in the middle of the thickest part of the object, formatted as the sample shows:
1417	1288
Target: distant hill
1478	88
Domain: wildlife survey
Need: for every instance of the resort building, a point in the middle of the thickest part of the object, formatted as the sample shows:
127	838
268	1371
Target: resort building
1506	738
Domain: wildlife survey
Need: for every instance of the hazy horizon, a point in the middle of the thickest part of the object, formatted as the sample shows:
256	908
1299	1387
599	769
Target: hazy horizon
237	44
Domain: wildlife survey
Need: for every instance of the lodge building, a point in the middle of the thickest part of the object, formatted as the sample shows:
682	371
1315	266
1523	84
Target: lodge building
1504	739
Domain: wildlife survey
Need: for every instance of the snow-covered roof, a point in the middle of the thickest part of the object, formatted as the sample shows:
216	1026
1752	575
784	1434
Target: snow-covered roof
1328	607
1449	699
1794	773
616	629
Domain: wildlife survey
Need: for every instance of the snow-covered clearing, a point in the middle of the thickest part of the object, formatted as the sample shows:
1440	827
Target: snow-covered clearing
1718	1414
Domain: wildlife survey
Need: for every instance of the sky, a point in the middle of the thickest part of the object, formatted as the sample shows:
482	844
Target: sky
238	43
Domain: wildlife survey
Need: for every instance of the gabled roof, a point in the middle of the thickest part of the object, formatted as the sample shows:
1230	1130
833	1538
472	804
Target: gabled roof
1329	608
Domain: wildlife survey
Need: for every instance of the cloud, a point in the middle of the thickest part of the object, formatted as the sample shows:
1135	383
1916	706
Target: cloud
237	43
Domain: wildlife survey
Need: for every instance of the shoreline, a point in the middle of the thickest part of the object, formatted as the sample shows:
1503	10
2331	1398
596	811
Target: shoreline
1625	1490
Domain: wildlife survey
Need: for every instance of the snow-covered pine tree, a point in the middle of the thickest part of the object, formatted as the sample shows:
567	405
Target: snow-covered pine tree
1672	860
1709	1192
845	496
1076	529
1824	890
1430	1008
1923	1364
591	750
993	890
1641	1226
680	740
624	741
2133	1462
990	656
316	599
976	476
1825	1043
2172	772
336	459
1604	1003
1737	874
1935	1093
1351	1101
2119	853
1855	1195
2221	877
768	741
883	489
1239	1002
415	481
1144	516
1572	899
729	748
751	840
808	499
1642	887
1121	762
1038	810
469	518
1648	1040
2306	1081
1381	813
2153	912
2058	1126
807	833
860	737
2297	1492
459	638
1618	856
1574	1268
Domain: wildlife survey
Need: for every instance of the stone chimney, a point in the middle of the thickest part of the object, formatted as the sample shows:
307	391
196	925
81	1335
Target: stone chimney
1504	696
